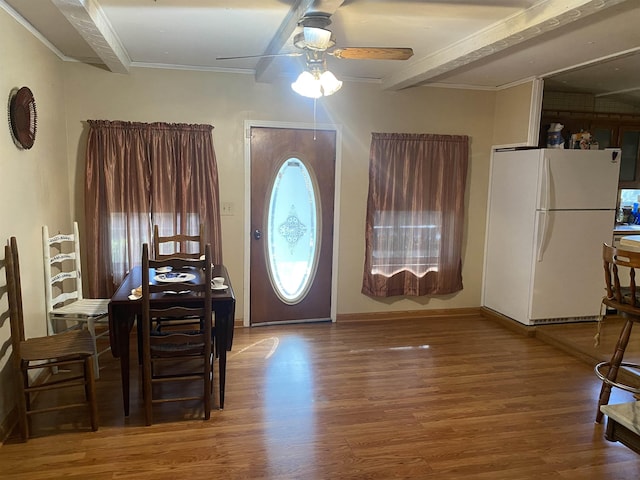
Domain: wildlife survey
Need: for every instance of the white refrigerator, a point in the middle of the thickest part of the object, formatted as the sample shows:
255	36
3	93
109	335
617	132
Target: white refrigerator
549	212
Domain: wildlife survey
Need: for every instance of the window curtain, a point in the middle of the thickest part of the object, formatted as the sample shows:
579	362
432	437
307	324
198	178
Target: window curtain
415	214
138	174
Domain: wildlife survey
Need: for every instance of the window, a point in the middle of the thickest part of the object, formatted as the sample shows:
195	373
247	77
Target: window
406	240
140	174
415	212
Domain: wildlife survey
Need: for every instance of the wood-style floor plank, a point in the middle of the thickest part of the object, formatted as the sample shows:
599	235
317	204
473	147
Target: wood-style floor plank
416	399
579	338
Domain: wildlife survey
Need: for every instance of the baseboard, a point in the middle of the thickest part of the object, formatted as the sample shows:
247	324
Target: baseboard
568	347
626	376
407	314
511	324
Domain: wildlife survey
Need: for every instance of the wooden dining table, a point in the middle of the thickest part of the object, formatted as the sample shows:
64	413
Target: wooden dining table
123	313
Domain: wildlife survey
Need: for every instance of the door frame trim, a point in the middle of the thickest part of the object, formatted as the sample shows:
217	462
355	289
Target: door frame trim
248	124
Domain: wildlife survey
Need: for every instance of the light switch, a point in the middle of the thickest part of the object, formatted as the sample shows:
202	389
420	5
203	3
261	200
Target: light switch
228	208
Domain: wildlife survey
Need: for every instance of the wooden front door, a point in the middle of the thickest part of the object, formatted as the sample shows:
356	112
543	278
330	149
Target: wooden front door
292	202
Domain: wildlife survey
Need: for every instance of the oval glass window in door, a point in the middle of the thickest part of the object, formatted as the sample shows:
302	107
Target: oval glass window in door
293	231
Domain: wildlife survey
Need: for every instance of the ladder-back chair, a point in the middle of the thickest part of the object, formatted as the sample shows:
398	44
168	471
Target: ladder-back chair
69	350
168	355
65	303
179	245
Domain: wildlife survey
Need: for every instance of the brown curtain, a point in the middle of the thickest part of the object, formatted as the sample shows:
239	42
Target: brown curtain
184	182
415	214
138	174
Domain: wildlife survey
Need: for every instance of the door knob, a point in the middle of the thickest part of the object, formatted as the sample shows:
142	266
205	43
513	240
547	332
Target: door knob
257	234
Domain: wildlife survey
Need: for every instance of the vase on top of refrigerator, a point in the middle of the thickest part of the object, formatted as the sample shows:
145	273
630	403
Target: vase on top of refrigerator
549	212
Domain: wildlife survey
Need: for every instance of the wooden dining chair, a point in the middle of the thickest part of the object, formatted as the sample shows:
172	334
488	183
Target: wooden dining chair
168	355
67	308
39	354
179	245
622	295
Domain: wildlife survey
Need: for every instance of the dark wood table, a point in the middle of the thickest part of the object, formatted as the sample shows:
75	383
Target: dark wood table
123	313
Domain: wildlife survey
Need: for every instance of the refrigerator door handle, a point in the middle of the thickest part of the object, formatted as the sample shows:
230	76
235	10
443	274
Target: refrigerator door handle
546	184
542	233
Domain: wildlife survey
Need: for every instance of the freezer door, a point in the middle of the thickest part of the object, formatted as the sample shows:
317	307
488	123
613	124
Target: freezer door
568	274
579	179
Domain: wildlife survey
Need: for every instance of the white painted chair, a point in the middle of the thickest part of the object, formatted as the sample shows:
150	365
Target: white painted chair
66	307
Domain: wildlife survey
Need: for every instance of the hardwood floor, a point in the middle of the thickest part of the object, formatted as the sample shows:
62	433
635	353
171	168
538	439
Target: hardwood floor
578	339
416	399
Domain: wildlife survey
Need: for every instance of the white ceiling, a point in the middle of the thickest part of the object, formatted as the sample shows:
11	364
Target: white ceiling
593	45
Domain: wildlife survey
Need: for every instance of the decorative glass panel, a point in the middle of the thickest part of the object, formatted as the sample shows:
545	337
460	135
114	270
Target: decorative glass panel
292	231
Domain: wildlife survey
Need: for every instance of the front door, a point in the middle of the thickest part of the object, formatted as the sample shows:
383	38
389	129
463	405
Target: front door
292	201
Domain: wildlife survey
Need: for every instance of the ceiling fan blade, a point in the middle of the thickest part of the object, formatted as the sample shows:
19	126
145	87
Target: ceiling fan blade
290	54
372	53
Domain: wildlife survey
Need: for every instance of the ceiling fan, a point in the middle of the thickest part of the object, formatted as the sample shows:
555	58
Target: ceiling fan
315	42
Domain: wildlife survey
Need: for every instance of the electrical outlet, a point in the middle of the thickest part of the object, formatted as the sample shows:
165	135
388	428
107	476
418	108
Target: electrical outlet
228	208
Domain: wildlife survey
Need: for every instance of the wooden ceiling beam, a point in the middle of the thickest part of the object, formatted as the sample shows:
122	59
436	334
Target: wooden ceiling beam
536	21
87	17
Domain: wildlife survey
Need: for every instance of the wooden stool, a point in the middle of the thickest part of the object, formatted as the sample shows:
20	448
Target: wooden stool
625	300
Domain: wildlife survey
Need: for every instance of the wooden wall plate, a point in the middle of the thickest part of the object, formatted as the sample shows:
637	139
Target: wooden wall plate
23	117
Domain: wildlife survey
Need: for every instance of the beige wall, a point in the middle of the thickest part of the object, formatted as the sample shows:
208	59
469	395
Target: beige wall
227	100
512	111
44	185
34	184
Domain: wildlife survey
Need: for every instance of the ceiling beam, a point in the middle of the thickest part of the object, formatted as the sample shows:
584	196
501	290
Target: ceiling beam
541	18
87	17
617	92
264	72
326	6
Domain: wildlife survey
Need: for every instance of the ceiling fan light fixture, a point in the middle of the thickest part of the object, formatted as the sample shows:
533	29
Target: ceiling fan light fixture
316	84
317	38
330	84
307	85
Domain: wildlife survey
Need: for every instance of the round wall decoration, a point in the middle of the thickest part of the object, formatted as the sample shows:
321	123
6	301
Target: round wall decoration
23	117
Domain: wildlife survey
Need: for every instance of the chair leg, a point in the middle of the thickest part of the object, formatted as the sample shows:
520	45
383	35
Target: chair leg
51	330
139	337
612	374
147	392
208	384
22	403
91	326
90	389
213	377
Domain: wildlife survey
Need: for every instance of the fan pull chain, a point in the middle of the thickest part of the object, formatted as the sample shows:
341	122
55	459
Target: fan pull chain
315	100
